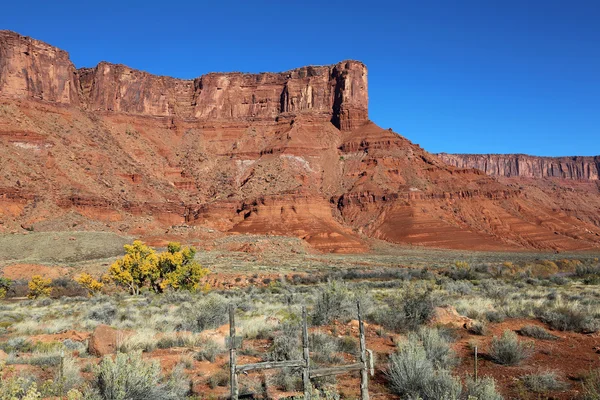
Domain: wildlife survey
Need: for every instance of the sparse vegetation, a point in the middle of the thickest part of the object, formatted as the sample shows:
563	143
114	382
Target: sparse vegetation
536	332
508	350
543	382
395	299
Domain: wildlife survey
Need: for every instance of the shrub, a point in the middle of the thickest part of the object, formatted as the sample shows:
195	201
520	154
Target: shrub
15	388
568	318
38	358
66	378
437	348
495	316
287	380
348	344
543	382
103	312
334	301
211	312
17	344
143	340
209	351
5	285
324	348
418	308
286	343
483	389
219	378
508	350
129	377
478	328
177	339
410	373
536	332
591	386
90	284
408	311
39	287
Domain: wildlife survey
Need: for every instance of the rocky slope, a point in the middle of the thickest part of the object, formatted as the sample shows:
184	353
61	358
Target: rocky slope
525	166
293	153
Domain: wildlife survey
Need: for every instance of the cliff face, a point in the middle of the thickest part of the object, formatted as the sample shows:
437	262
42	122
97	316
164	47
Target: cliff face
293	153
525	166
31	68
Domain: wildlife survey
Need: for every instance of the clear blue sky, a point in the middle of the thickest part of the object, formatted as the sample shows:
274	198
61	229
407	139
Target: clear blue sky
484	76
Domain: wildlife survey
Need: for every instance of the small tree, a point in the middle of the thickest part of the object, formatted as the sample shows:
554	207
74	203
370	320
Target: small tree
138	266
39	287
178	268
173	268
90	284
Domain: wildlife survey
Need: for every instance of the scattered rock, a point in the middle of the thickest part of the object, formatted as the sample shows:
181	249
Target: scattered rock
448	316
104	340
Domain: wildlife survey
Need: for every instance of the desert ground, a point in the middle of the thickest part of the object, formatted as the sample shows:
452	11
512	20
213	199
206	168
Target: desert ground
533	317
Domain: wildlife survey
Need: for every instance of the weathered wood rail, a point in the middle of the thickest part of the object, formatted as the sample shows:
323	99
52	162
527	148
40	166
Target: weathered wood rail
364	366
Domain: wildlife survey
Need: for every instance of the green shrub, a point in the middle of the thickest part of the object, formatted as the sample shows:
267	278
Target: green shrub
286	343
406	312
210	312
411	374
536	332
325	348
209	351
348	344
287	380
508	350
437	348
219	378
334	301
19	344
103	312
568	318
483	389
543	382
129	377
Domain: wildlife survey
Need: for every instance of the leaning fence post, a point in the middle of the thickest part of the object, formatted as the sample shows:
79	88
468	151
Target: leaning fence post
306	369
232	355
364	377
475	365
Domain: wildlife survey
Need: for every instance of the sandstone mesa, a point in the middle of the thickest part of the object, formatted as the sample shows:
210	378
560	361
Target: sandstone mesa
291	153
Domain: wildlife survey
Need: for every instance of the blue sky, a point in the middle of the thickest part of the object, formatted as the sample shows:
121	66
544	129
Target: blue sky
480	76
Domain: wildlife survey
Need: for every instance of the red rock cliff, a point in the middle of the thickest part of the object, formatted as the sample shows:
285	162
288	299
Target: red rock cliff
521	165
31	68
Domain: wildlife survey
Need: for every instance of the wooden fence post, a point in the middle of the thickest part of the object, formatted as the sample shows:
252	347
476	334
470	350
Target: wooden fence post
364	377
475	365
306	354
232	355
